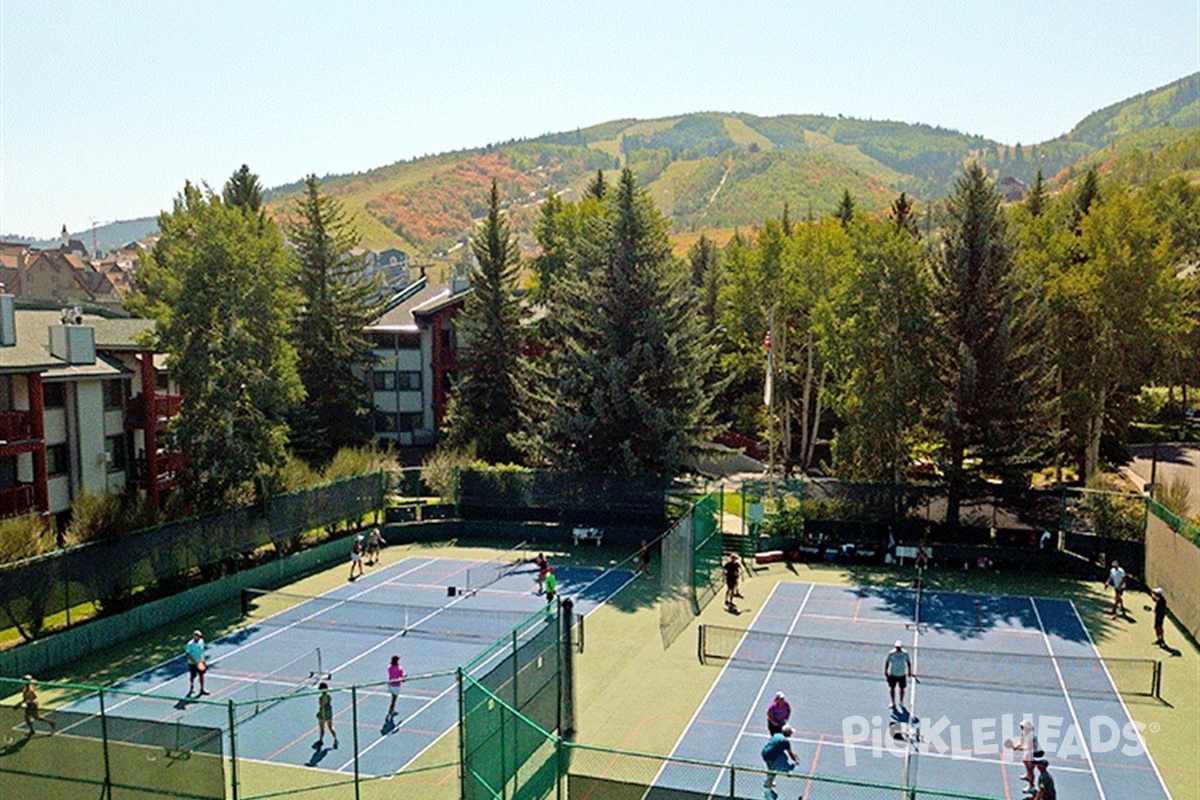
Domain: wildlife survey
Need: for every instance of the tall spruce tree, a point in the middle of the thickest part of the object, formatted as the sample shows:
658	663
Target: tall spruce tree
903	216
339	301
221	287
845	209
705	262
622	389
598	187
485	408
981	357
243	191
1036	201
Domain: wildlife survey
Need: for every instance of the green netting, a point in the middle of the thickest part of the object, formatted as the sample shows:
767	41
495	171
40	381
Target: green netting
107	755
1173	562
37	592
676	603
706	577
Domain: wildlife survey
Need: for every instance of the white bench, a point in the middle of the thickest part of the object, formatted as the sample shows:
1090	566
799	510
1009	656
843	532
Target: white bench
587	535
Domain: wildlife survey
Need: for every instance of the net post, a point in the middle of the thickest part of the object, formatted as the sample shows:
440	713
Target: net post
354	737
104	745
732	782
700	644
1156	681
566	673
233	761
245	603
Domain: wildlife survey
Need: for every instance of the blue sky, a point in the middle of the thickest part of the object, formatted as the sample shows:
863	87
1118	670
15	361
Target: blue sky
106	108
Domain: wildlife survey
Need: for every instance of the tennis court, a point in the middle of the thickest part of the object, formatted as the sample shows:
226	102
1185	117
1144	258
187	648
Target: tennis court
435	613
984	663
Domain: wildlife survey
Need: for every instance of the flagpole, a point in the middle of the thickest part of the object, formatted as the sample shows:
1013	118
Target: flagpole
769	399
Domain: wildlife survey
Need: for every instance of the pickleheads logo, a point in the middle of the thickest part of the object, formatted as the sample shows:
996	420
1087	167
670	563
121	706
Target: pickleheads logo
988	737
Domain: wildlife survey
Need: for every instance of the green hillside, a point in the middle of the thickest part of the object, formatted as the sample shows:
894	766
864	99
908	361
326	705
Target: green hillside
713	170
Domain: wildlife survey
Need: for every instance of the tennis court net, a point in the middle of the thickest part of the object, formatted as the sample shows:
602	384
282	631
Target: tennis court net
952	666
455	620
485	573
303	672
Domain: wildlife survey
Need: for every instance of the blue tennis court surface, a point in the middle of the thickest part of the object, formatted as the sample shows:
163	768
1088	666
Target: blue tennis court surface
356	628
988	663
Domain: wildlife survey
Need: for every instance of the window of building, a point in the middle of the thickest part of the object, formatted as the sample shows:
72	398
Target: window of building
411	422
114	453
384	381
54	395
162	382
58	458
115	393
409	381
385	422
6	395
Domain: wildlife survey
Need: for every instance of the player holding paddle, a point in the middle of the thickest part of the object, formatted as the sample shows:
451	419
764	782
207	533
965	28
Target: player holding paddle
897	668
194	650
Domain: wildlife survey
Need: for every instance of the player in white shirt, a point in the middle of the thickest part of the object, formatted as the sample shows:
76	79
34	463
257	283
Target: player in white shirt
897	668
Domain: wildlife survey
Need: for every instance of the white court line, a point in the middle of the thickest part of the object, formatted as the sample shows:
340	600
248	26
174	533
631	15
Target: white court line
958	755
1087	751
259	639
1120	699
753	708
713	687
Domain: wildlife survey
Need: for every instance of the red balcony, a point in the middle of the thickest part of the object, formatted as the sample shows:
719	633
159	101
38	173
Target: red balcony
16	501
16	426
167	470
165	407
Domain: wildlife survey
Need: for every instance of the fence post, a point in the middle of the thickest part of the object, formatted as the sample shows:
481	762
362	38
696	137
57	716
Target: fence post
233	762
354	738
104	744
462	737
732	782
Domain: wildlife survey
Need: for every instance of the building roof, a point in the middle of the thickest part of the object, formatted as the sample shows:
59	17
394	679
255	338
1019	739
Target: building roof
413	300
32	350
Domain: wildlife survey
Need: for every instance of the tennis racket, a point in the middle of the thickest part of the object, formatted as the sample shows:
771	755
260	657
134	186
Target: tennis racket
1008	744
202	666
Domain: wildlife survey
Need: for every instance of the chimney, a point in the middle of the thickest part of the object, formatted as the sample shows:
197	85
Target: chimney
65	242
72	341
8	319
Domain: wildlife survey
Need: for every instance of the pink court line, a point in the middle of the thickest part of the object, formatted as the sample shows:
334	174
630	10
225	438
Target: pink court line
812	770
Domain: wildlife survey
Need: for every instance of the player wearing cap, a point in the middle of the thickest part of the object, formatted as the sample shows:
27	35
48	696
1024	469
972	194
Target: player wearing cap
194	650
1116	579
778	755
1030	749
897	668
778	713
1160	615
29	698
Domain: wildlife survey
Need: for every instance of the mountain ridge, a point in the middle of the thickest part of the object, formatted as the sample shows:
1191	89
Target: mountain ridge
724	169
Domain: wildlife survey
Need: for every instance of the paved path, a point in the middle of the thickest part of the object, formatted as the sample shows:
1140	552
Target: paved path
1175	462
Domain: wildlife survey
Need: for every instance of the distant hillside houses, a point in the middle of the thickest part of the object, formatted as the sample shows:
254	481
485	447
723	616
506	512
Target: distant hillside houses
67	274
391	265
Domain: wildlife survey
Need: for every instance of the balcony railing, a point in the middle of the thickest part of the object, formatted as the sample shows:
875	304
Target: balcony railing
16	426
165	407
167	469
16	501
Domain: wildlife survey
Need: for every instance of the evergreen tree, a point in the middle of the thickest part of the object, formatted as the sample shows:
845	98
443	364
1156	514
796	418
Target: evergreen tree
623	389
903	217
1089	192
1036	201
980	356
220	286
485	408
705	261
845	209
243	191
339	301
786	221
555	231
598	187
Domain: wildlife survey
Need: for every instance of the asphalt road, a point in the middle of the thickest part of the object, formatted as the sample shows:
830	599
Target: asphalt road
1175	462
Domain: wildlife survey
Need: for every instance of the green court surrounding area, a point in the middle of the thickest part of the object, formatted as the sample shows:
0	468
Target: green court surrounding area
634	696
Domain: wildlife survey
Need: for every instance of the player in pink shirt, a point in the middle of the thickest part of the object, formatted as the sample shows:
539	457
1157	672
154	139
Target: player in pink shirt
395	680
